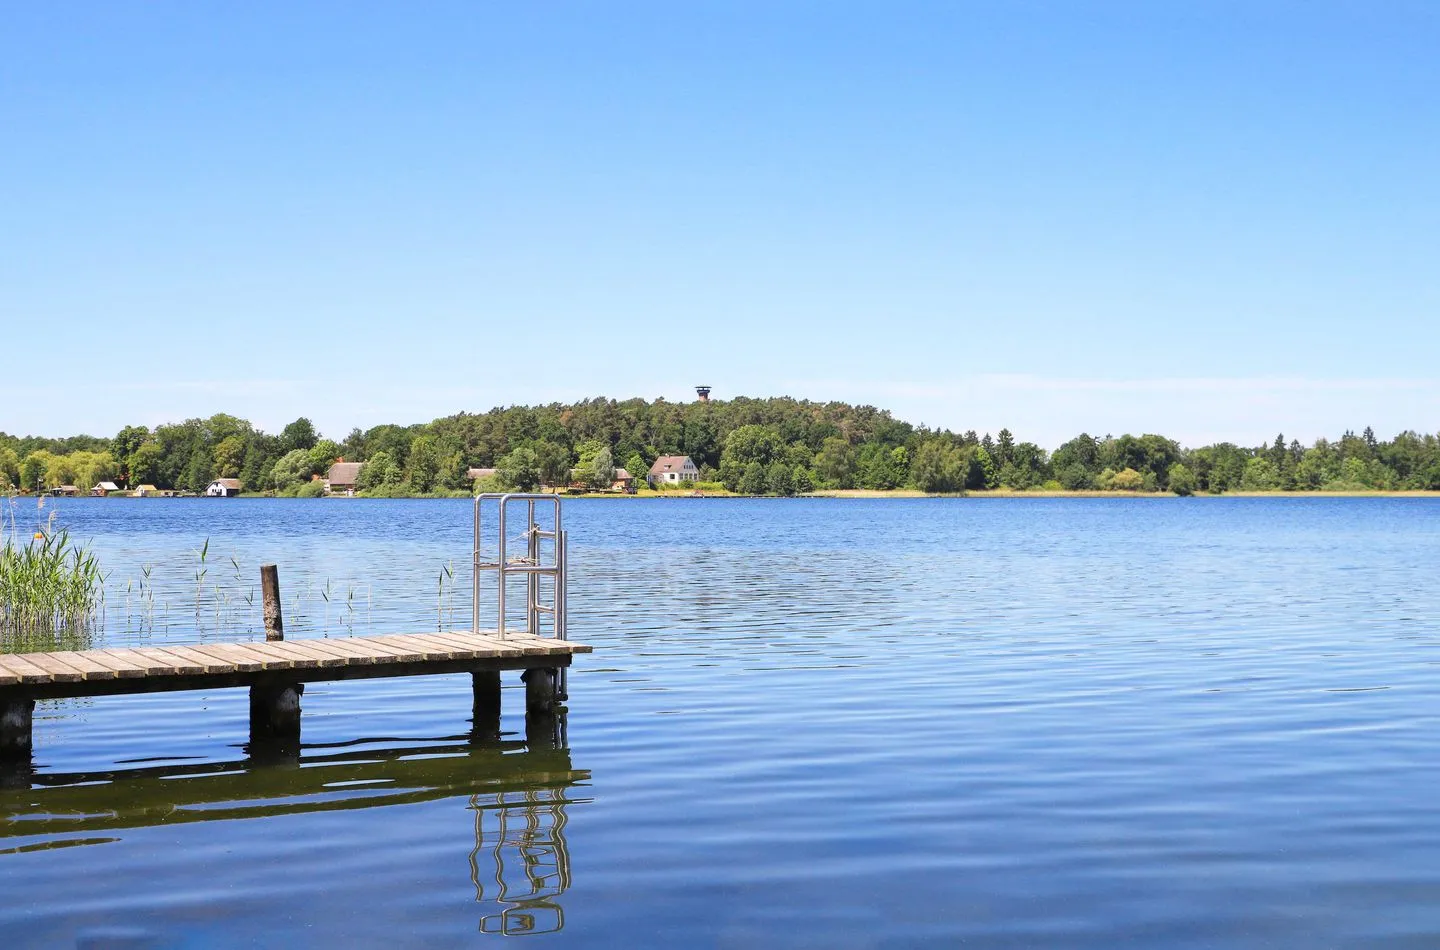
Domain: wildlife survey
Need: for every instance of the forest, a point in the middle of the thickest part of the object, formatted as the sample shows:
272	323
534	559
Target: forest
771	446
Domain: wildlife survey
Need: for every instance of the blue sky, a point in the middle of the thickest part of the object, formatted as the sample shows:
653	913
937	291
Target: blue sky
1212	220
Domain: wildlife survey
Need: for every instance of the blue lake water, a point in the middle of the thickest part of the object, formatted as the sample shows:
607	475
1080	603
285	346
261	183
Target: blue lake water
997	723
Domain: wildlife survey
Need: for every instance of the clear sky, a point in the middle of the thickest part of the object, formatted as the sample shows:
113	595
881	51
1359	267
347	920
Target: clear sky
1213	220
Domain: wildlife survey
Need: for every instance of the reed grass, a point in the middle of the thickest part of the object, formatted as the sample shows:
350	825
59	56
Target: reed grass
51	593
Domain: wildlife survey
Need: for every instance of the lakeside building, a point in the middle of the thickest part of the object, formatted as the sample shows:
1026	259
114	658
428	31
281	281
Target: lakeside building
343	477
102	489
673	469
223	488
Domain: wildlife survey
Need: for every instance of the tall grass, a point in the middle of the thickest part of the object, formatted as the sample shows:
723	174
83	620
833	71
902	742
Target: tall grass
51	593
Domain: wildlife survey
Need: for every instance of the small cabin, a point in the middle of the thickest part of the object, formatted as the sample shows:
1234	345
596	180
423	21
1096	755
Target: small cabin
223	488
145	491
343	477
102	489
672	470
623	482
65	491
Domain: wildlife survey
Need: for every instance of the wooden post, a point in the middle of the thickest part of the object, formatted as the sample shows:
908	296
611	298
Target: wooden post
486	710
16	716
275	710
539	690
270	596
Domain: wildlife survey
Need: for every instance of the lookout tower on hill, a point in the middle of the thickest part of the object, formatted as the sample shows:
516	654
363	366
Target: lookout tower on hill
703	392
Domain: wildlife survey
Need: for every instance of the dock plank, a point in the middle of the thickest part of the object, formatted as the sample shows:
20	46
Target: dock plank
208	664
275	659
87	667
26	671
122	669
352	656
148	665
238	659
59	672
175	666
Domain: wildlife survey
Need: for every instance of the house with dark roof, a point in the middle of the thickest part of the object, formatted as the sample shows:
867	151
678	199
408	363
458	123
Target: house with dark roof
343	477
672	470
223	488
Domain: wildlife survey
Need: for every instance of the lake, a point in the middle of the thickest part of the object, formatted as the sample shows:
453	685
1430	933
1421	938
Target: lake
831	723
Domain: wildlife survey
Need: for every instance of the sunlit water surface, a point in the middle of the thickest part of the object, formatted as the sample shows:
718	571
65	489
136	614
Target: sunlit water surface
1179	723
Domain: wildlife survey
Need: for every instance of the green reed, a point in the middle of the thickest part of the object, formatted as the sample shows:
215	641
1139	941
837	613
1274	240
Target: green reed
51	593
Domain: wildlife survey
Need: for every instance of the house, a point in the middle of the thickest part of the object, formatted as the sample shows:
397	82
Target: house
673	469
223	488
146	491
343	477
65	491
104	488
623	482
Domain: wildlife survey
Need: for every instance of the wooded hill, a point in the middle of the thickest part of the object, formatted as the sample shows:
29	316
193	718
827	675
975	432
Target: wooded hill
755	446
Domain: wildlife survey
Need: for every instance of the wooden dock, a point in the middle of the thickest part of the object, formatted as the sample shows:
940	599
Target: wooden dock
275	671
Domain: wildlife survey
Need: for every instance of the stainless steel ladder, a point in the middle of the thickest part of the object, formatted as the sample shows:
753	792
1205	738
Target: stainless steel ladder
545	556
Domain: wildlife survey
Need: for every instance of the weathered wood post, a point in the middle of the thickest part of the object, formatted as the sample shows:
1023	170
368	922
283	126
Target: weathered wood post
16	718
270	599
485	723
539	690
274	703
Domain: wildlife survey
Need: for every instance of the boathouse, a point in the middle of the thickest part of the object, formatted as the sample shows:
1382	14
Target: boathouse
223	488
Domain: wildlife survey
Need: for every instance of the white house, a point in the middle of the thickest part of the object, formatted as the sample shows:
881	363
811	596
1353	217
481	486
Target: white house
672	469
223	488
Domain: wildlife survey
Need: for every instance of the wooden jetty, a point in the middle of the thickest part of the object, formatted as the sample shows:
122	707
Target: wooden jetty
277	670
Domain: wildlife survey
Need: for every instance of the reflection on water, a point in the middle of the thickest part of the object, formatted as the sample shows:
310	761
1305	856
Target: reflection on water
517	792
521	864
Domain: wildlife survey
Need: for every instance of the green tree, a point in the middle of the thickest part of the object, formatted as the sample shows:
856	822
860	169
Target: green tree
146	464
554	463
836	463
597	465
938	467
322	455
519	470
9	468
422	467
380	472
1260	475
1127	479
291	469
229	457
299	434
1182	480
752	482
779	479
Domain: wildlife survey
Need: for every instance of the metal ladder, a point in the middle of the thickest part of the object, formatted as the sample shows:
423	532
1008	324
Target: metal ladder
545	556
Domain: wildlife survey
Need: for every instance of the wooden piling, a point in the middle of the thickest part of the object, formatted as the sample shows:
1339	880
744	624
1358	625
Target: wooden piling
270	597
485	722
275	710
539	690
16	718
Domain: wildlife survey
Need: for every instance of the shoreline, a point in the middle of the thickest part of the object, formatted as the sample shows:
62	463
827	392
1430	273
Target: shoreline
840	494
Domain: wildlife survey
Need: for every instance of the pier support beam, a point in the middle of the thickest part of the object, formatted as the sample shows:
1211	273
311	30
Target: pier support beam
275	710
16	717
539	690
485	722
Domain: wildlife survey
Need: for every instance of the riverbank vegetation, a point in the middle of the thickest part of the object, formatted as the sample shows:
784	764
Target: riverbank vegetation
776	446
50	592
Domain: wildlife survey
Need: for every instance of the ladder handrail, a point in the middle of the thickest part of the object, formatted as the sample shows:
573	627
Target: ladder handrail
531	565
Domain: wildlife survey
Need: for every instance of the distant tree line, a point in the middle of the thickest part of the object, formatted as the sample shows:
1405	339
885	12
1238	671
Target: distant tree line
776	446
